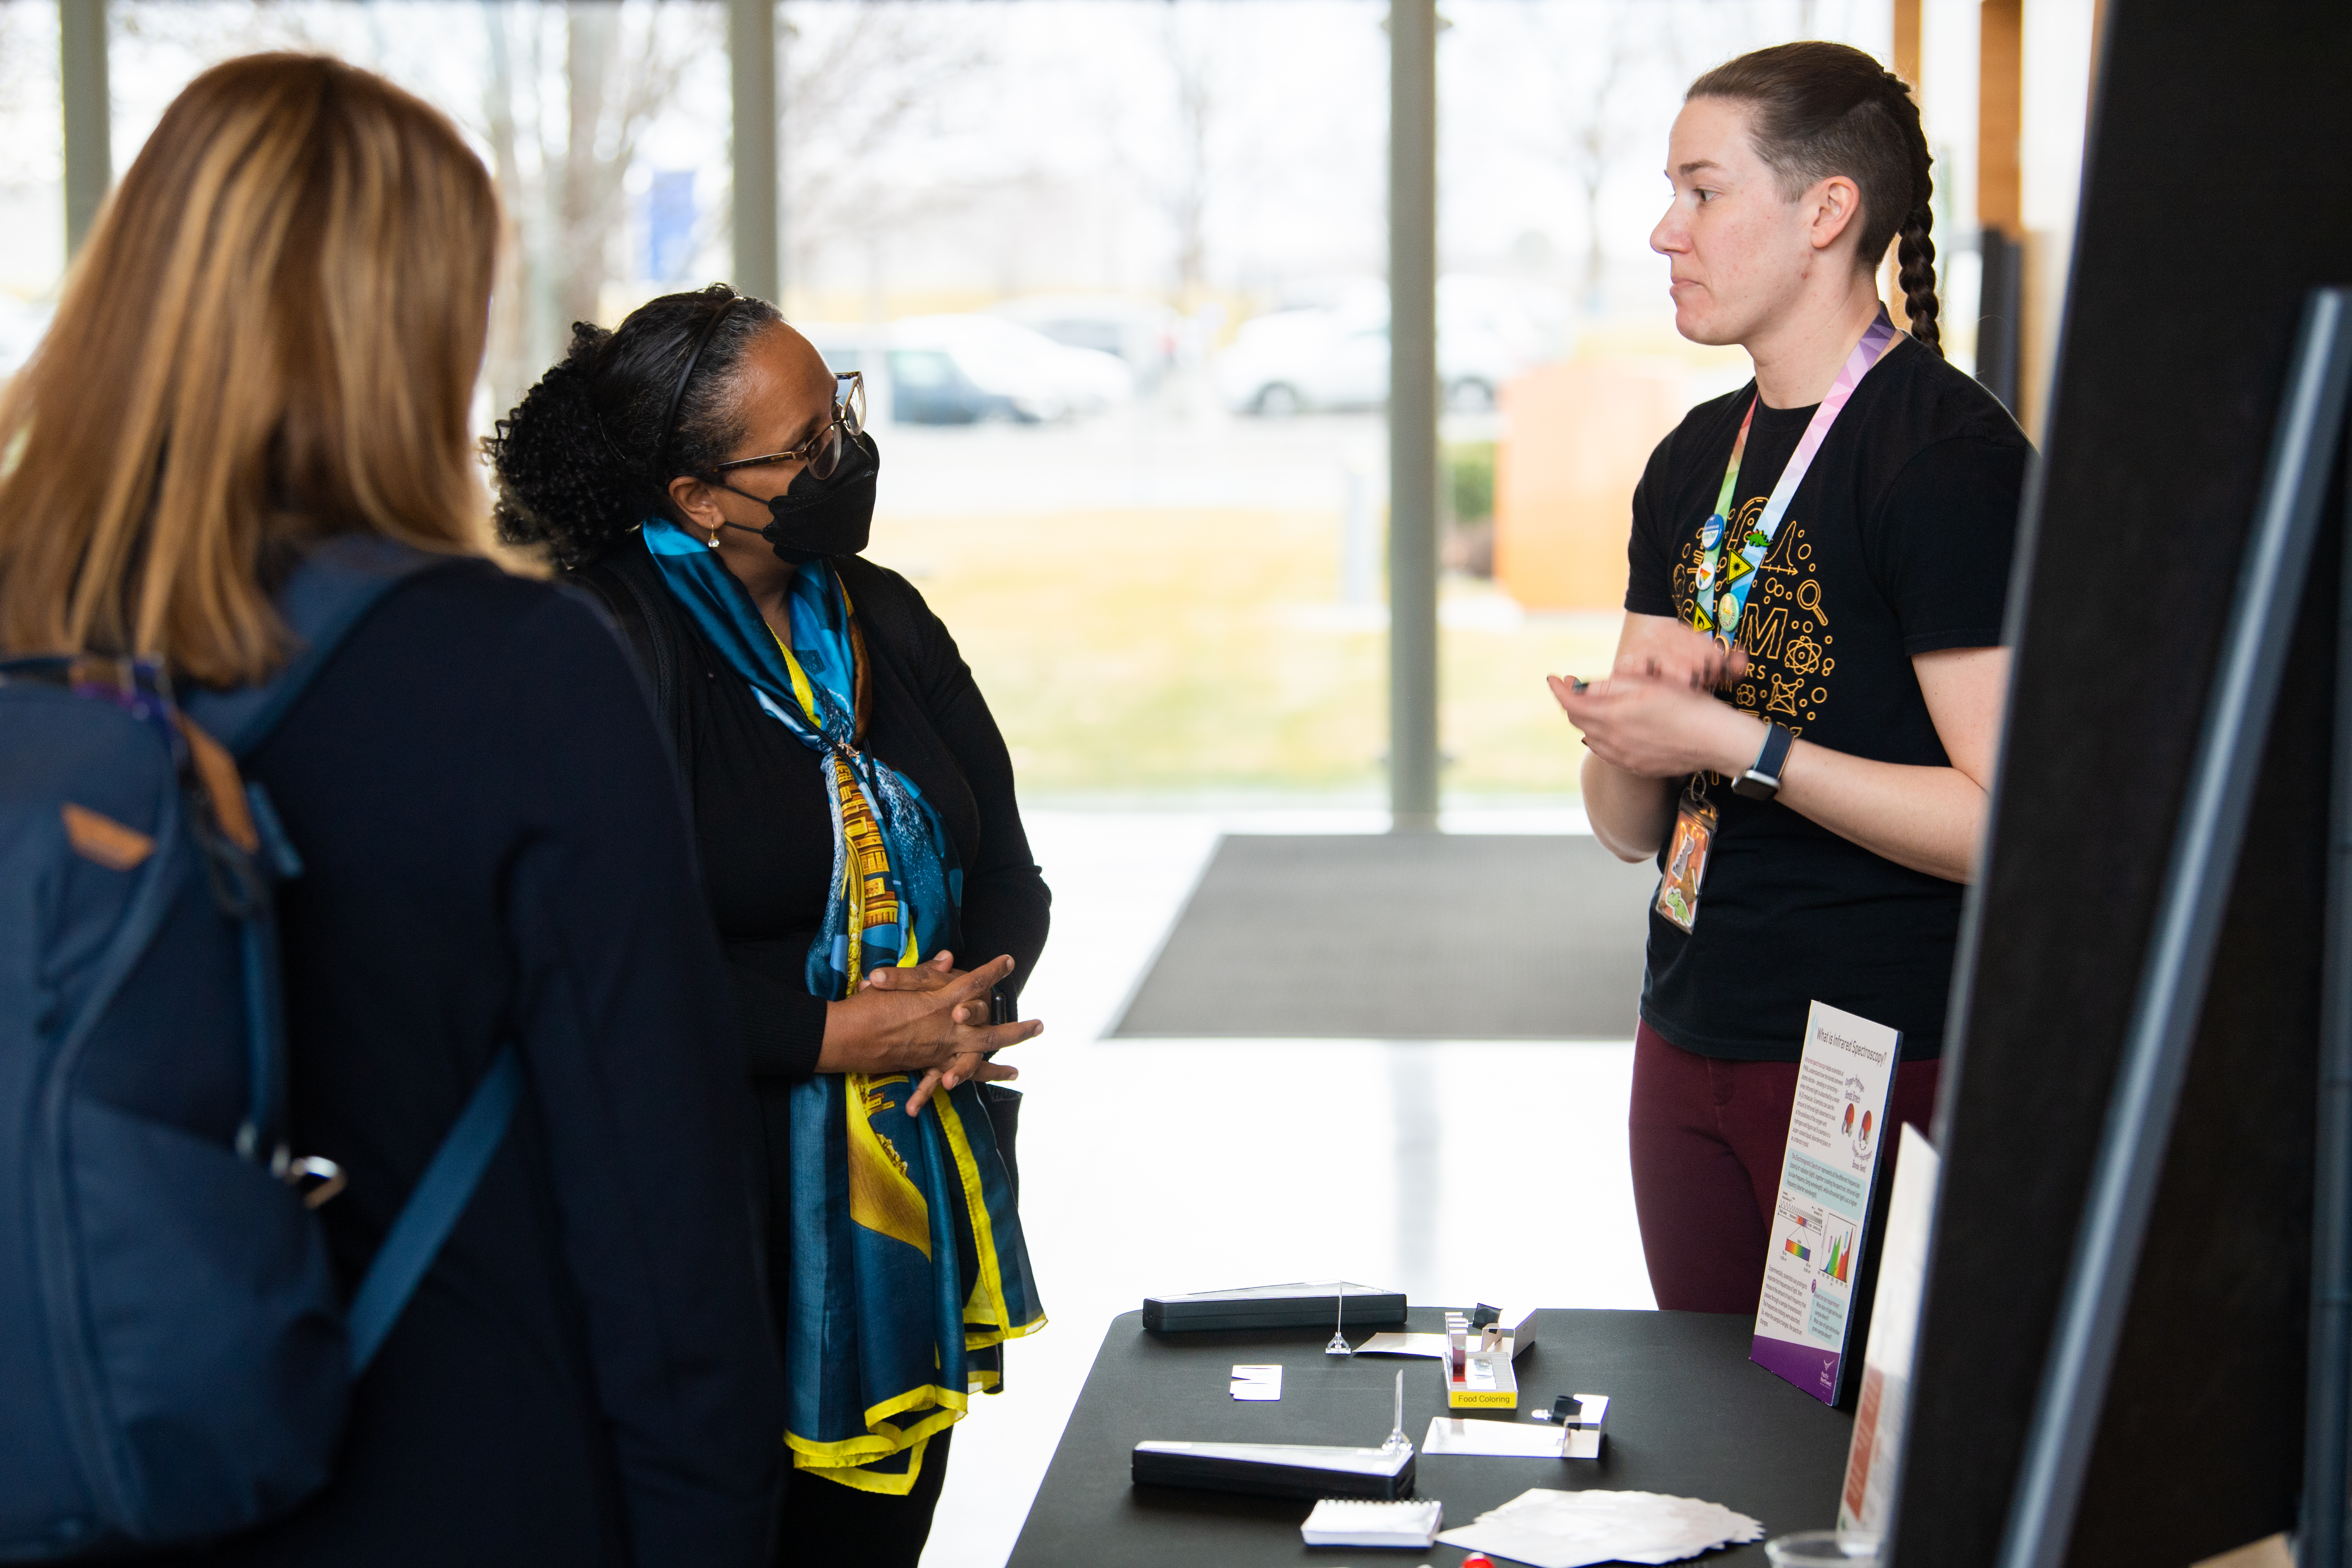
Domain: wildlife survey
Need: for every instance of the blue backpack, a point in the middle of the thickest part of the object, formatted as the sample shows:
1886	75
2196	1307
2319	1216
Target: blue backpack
175	1357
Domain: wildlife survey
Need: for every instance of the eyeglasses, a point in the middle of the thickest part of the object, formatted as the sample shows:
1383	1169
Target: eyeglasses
822	452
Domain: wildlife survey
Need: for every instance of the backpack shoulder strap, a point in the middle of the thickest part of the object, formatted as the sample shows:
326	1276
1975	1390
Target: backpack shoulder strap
441	1195
338	583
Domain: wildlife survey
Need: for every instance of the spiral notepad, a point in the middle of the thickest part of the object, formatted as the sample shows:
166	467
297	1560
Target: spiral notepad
1343	1521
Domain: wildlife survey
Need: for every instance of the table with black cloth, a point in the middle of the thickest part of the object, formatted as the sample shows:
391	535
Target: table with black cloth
1688	1415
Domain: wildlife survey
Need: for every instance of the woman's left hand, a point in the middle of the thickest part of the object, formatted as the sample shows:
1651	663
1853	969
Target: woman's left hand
972	1066
933	973
1660	728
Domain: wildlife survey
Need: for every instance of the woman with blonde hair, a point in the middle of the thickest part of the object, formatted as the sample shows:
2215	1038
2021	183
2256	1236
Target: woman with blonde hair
263	361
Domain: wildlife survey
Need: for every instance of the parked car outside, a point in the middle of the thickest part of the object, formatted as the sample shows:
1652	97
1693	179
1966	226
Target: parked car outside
1045	380
1142	331
1336	356
960	369
912	386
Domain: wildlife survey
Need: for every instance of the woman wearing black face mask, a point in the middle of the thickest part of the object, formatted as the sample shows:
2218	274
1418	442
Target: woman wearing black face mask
703	473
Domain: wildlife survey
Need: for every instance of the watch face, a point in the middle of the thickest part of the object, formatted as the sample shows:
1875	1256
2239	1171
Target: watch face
1755	785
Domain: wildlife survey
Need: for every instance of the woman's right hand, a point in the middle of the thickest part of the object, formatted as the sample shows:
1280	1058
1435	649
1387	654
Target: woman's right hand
1679	655
887	1029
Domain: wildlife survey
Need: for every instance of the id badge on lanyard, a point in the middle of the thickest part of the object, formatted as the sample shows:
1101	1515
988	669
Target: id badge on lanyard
1726	571
1686	856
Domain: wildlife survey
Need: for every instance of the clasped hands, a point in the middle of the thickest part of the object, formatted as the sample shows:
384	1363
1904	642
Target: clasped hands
1655	715
930	1019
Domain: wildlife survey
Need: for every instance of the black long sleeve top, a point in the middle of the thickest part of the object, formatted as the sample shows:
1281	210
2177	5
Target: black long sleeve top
494	848
765	831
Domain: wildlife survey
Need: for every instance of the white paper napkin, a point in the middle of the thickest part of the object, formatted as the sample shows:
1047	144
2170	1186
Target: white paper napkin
1570	1529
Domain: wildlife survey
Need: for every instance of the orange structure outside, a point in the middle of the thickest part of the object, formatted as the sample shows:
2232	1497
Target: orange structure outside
1575	438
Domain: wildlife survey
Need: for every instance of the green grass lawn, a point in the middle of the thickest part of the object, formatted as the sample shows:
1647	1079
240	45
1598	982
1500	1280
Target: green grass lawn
1174	652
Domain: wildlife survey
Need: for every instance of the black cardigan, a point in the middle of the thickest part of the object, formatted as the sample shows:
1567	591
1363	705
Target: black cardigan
494	848
928	720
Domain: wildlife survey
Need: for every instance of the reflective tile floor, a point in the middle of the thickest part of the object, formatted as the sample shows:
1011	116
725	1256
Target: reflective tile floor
1456	1171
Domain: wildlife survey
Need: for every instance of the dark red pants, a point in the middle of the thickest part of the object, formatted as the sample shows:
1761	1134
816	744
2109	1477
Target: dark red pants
1708	1137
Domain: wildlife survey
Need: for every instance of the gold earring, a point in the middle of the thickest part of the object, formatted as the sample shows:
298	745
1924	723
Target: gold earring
714	537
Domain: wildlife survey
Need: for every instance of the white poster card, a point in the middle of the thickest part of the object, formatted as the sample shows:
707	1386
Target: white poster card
1822	1211
1875	1458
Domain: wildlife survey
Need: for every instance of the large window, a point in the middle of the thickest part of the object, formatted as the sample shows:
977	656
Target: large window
1114	268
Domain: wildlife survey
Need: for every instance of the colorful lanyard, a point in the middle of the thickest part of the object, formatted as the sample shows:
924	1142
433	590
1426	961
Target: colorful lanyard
1716	606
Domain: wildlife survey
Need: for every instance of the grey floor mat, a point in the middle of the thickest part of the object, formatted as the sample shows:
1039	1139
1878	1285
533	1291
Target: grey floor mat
1402	936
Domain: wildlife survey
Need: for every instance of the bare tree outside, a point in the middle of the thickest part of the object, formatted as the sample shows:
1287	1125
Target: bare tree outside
32	178
1599	57
569	92
1184	188
864	87
29	71
559	94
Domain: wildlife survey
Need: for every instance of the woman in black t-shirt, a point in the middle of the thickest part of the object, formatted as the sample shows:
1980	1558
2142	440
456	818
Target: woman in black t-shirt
1831	644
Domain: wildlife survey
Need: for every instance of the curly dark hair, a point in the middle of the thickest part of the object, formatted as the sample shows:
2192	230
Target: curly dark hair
1824	109
577	460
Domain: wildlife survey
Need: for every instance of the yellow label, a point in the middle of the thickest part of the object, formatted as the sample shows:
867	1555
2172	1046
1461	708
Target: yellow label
1461	1398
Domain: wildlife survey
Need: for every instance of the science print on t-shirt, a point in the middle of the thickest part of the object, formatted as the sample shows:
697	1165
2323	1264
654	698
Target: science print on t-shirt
1897	544
1792	656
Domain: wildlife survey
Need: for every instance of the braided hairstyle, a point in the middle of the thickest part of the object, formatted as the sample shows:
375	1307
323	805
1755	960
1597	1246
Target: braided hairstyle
1820	108
576	461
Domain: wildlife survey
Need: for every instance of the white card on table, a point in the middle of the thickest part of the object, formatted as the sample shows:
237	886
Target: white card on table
1257	1383
1492	1439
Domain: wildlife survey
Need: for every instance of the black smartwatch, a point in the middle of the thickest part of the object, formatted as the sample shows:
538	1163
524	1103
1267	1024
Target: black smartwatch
1762	780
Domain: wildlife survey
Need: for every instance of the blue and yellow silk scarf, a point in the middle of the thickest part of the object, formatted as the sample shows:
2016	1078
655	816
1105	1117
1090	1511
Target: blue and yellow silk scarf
891	1214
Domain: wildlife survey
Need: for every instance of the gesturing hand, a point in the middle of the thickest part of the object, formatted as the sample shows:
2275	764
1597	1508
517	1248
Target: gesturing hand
930	1020
1659	727
932	974
1683	656
970	1065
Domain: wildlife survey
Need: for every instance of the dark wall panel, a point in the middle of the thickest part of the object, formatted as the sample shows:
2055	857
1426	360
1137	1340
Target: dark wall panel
2200	1447
2215	196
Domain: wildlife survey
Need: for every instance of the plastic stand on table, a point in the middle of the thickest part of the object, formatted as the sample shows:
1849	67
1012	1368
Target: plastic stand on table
1398	1441
1339	1346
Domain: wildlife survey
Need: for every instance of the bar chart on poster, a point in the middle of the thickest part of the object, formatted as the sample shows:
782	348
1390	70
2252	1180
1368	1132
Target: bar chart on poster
1806	1312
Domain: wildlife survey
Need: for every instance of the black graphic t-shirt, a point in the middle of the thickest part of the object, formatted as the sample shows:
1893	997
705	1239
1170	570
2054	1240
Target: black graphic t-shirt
1897	543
